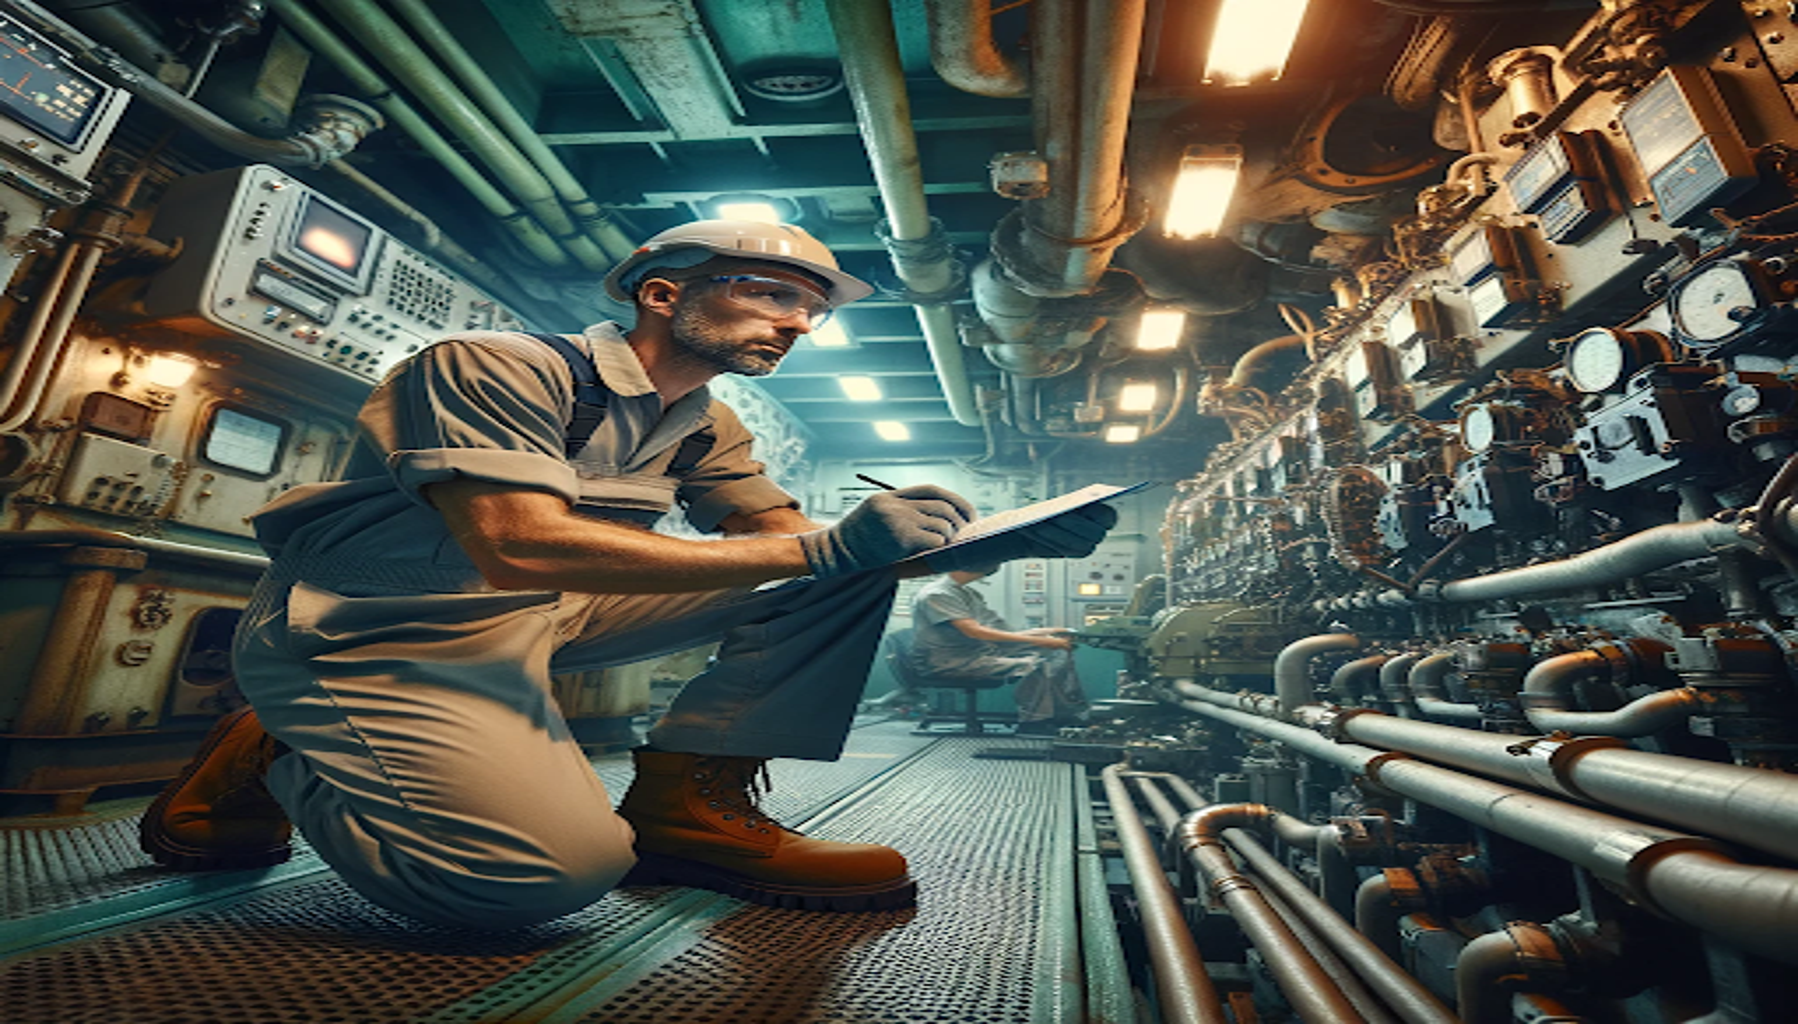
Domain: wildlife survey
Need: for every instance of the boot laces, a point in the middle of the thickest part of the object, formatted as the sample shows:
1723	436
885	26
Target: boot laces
741	784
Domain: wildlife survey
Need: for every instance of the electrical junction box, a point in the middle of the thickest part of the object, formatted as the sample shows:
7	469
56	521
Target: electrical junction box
109	475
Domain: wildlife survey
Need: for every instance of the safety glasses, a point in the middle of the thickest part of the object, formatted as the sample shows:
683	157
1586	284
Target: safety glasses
776	299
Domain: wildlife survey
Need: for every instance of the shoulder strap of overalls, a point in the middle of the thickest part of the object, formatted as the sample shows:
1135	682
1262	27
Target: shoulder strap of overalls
590	396
590	400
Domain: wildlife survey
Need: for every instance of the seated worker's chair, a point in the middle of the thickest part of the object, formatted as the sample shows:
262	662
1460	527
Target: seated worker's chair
901	663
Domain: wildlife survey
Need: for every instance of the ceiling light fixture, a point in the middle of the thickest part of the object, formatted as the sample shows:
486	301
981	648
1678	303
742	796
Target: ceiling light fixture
860	389
1202	190
831	335
892	430
1160	330
1138	397
1122	433
170	369
765	212
1251	40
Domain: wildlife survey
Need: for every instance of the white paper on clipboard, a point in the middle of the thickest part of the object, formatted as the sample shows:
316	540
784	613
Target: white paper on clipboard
1028	515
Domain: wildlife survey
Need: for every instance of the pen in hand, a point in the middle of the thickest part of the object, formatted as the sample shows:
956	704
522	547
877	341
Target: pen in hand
870	480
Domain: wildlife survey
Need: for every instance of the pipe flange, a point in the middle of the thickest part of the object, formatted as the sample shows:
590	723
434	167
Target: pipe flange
1371	771
933	249
333	125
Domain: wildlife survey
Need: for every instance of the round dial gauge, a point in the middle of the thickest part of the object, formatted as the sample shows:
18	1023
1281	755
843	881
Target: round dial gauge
1704	304
1596	359
1478	430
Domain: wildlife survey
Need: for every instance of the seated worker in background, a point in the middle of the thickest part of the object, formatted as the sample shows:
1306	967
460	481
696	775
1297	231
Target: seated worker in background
492	529
957	636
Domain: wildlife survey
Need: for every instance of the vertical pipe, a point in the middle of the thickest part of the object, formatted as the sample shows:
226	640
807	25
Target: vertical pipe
12	380
1185	989
54	695
1292	666
53	346
876	83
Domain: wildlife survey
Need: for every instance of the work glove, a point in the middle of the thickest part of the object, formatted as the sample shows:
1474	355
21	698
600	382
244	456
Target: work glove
886	527
1072	534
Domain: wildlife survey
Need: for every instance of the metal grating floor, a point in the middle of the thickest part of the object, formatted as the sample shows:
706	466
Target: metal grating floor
990	941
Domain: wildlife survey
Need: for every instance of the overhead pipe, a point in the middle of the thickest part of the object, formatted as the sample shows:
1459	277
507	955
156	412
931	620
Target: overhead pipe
1678	874
921	254
1185	989
963	53
378	93
1495	964
1313	994
1292	666
472	77
1431	696
1547	694
335	126
1084	56
413	67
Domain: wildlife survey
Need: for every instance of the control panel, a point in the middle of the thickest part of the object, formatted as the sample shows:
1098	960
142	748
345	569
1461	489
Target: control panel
269	260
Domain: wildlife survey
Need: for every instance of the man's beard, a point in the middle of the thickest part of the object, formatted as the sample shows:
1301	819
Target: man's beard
709	341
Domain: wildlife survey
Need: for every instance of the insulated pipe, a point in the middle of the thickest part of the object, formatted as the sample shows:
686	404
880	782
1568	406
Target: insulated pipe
1428	693
1751	806
1376	914
1292	667
52	344
1547	692
1357	679
875	80
1654	548
1307	987
472	77
408	62
963	52
31	349
1185	989
1394	677
364	79
1682	875
1404	994
1366	1004
1495	964
335	133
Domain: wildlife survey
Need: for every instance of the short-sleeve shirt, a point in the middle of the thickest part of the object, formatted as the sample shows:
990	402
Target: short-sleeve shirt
938	645
496	406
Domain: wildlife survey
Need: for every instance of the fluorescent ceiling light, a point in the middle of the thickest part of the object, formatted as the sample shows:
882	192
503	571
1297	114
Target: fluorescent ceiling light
860	389
767	213
1138	397
1122	433
170	370
1160	329
1252	39
892	430
1202	189
831	334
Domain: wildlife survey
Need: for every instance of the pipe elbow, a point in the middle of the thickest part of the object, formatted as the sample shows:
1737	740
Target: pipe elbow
1495	964
963	53
1643	716
1206	825
1549	683
1292	667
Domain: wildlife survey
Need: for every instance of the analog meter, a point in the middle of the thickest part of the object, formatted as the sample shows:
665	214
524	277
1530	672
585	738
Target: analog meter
1478	430
1712	305
1599	357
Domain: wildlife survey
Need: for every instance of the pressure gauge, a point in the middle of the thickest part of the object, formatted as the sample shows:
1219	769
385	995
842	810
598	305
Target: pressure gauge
1599	357
1478	429
1711	306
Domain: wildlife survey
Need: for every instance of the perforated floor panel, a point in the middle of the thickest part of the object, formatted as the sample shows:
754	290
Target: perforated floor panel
993	938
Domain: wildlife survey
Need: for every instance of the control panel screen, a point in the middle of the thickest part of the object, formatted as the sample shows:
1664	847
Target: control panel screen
236	439
334	241
39	89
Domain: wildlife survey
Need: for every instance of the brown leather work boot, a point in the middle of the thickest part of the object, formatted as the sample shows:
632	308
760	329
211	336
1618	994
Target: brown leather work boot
698	824
218	813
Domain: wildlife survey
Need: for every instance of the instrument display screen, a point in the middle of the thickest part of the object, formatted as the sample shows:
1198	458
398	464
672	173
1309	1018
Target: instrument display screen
40	89
240	440
333	242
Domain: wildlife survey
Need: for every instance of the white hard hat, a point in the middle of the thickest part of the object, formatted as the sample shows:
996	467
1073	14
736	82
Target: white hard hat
747	239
